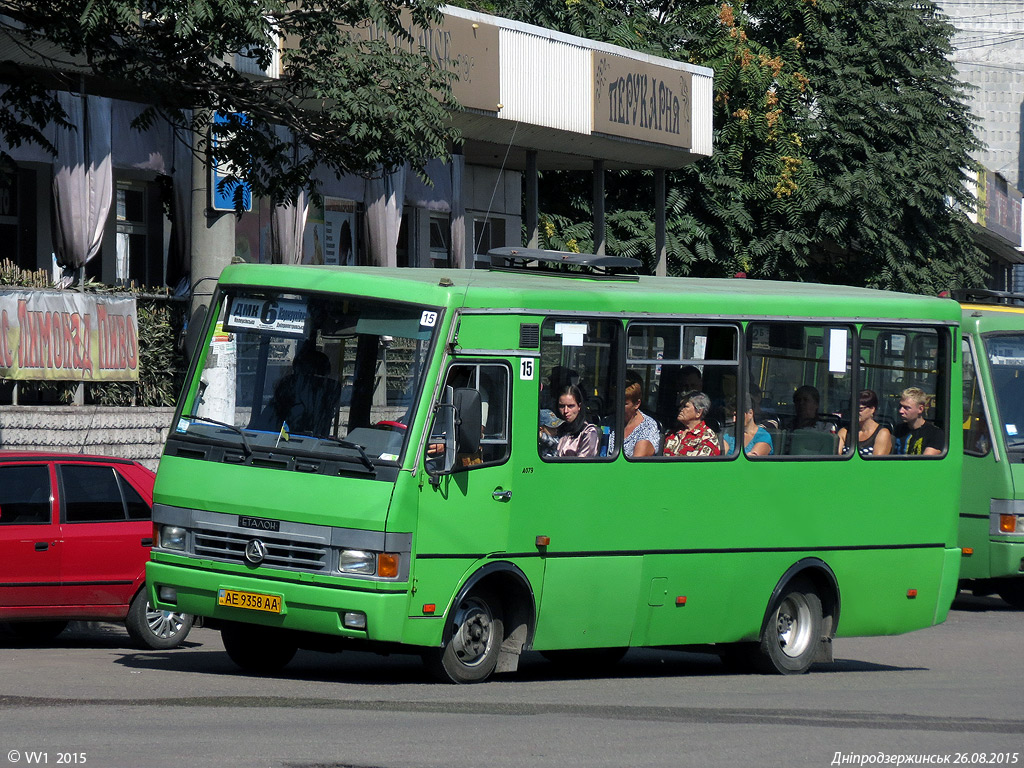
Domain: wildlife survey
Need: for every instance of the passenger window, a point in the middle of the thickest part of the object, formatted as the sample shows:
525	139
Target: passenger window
976	435
801	386
579	381
24	494
907	370
685	376
492	382
90	494
138	509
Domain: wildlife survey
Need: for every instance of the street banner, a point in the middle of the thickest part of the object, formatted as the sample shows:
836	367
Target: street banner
68	336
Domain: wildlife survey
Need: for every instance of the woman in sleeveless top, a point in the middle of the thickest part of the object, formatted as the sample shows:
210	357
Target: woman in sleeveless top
872	438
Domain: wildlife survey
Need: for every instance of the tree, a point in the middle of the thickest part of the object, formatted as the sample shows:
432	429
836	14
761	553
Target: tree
350	103
842	142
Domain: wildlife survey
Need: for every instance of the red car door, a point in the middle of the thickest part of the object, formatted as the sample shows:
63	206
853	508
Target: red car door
30	550
104	550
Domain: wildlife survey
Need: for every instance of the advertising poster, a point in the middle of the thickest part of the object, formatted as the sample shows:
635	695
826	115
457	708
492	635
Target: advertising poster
68	336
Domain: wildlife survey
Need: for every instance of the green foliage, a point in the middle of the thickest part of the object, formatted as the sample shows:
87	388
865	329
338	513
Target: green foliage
842	142
352	104
162	365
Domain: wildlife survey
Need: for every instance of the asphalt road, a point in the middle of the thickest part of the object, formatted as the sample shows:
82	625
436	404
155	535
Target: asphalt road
949	695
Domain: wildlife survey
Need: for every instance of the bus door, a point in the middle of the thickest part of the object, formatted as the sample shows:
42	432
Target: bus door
464	513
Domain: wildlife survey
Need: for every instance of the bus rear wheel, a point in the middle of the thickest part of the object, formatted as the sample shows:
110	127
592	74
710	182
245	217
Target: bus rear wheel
256	649
475	635
792	634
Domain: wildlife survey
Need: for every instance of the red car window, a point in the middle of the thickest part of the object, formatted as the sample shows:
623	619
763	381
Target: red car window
91	494
24	494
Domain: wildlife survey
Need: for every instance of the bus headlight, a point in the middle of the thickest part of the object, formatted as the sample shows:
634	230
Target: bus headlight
357	561
172	537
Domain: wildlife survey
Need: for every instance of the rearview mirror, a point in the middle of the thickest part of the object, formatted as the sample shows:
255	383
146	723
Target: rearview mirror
468	419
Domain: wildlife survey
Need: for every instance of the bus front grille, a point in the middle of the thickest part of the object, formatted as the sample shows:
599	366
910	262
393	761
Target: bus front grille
280	553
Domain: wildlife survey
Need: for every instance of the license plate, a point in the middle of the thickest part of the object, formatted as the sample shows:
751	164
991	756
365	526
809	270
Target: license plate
253	601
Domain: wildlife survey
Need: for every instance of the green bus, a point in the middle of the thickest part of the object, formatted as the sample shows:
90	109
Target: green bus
378	459
992	508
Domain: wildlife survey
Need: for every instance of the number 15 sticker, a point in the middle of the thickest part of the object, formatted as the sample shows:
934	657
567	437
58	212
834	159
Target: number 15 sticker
527	367
428	319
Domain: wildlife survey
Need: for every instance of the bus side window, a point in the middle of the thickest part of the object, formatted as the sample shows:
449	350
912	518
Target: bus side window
801	384
673	359
902	365
579	395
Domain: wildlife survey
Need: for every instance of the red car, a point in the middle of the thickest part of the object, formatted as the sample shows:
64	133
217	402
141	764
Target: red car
75	535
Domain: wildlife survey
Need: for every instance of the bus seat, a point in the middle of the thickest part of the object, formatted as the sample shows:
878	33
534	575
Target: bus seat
811	442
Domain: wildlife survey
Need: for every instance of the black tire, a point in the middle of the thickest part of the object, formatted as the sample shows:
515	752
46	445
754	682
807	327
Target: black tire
256	649
474	640
585	660
792	634
32	632
1012	592
152	629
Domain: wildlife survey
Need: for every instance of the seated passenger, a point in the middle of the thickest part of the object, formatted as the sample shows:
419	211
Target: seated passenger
915	436
641	436
576	436
695	438
756	440
872	438
806	403
547	438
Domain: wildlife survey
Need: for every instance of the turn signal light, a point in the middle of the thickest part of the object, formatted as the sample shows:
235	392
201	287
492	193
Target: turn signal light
387	565
911	593
429	608
681	600
968	551
1007	523
543	541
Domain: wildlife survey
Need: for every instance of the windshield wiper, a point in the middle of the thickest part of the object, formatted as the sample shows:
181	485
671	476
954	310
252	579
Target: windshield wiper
352	446
245	443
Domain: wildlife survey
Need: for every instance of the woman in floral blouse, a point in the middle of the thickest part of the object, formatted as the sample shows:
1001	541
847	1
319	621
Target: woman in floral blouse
695	438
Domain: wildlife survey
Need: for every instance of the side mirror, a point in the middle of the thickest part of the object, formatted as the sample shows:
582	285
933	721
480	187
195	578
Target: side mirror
469	419
441	442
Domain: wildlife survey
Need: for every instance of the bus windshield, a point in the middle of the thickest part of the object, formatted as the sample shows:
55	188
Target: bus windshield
300	373
1006	360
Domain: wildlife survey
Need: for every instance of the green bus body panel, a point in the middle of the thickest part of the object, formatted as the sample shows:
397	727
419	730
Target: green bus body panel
305	606
627	540
986	479
240	490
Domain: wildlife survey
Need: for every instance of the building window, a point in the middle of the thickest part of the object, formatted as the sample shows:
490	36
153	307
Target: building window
487	233
440	241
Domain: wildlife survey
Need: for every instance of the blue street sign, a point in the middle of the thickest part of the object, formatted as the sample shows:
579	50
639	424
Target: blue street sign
222	193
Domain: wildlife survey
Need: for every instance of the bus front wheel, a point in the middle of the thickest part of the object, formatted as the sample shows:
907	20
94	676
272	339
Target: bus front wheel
1012	592
256	649
792	634
474	641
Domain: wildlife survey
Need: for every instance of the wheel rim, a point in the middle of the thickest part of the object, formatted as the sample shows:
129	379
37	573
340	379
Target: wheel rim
164	624
794	625
473	635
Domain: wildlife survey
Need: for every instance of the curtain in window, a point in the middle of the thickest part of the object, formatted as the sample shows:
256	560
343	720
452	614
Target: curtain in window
286	226
385	199
83	185
458	208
